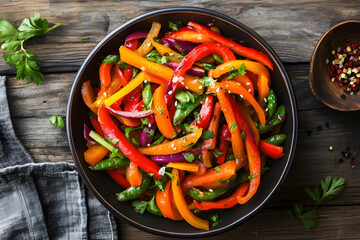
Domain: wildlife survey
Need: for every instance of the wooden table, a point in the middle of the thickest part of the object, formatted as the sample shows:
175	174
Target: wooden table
292	28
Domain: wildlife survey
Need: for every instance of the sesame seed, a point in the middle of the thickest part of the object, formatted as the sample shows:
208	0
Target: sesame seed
145	81
149	125
142	68
248	83
148	144
149	44
170	92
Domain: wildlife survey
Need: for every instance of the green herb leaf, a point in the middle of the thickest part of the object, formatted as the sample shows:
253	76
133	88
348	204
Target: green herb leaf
236	72
184	96
8	32
201	158
189	157
159	184
207	134
155	56
243	135
84	38
111	59
308	219
135	72
140	206
169	175
57	121
160	110
253	176
197	117
175	25
34	26
215	219
254	232
217	153
114	153
233	127
158	40
329	188
216	169
207	81
122	65
190	128
114	141
208	66
92	115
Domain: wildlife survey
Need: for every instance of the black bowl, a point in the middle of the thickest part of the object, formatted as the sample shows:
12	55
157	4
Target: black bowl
104	188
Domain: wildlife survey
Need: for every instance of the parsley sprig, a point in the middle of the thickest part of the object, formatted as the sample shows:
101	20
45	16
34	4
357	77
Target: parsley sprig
13	39
327	189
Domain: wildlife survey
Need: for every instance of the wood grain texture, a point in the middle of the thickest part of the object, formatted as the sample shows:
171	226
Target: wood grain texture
291	28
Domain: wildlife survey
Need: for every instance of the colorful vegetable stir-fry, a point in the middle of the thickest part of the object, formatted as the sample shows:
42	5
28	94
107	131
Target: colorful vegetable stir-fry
183	121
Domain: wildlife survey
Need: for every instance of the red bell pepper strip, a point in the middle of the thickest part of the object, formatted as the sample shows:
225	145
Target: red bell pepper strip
189	34
205	112
105	74
271	150
225	133
236	47
252	151
214	127
224	144
112	132
97	126
132	99
196	54
118	177
225	203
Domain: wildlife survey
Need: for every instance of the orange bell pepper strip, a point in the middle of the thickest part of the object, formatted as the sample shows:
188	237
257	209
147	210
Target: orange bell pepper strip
253	154
223	171
161	113
236	140
263	87
110	90
246	82
147	46
173	146
182	206
164	201
88	95
206	155
162	71
190	35
254	67
222	183
118	177
271	150
225	203
95	154
168	52
190	167
214	127
113	132
236	47
126	89
245	113
237	88
202	169
134	175
155	79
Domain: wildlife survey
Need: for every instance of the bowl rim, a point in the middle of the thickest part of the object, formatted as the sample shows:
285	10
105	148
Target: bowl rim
312	63
292	106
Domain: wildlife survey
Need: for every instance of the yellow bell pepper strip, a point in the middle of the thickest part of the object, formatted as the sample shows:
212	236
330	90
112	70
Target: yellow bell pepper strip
182	206
173	146
165	202
254	67
191	167
236	47
113	132
95	154
235	87
88	95
253	154
221	172
162	71
168	52
225	203
236	140
196	54
147	46
161	112
190	35
126	89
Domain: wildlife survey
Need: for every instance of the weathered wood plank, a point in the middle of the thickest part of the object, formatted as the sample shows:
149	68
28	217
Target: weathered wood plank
333	223
291	28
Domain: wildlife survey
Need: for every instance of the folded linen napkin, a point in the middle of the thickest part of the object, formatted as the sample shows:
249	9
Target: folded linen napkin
44	200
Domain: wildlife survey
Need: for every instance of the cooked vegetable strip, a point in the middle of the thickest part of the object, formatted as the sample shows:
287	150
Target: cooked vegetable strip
126	90
94	154
105	143
236	47
162	117
134	192
165	202
236	140
191	167
88	95
156	69
111	163
221	172
213	127
271	150
110	90
245	113
112	132
120	179
173	146
182	206
205	112
155	79
189	34
134	175
168	52
246	82
146	46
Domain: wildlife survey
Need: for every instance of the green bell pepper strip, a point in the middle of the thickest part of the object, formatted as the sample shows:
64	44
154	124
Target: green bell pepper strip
206	195
105	143
153	208
183	110
276	120
271	103
276	139
147	95
159	140
218	59
111	163
134	192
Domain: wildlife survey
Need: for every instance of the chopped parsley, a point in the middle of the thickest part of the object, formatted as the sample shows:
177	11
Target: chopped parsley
189	157
233	127
158	40
215	219
207	81
216	169
111	59
57	121
140	206
236	72
175	25
207	134
217	153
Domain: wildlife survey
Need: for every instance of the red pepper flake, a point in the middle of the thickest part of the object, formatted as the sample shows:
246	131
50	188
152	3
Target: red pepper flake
345	68
352	163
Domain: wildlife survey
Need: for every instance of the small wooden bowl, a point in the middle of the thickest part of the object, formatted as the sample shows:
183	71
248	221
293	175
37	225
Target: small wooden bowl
325	91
